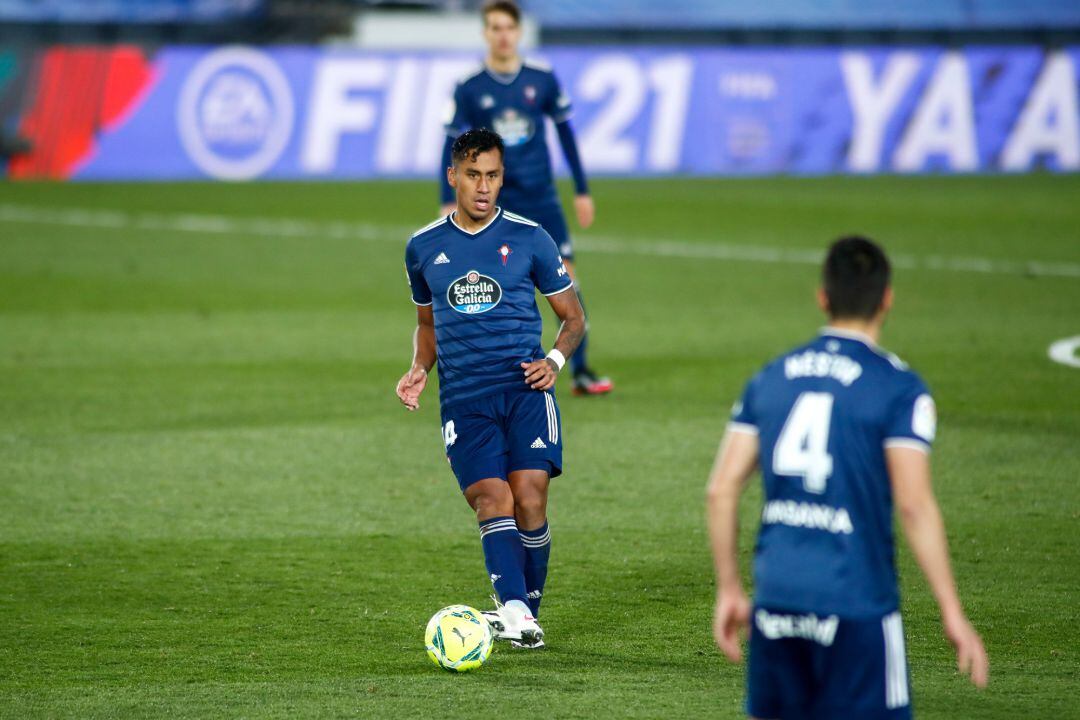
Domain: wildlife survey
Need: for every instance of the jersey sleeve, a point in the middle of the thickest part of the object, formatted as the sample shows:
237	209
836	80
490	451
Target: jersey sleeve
548	272
456	119
558	106
912	420
743	419
421	293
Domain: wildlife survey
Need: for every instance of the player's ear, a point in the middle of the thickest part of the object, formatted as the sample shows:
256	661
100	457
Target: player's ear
451	176
823	300
887	300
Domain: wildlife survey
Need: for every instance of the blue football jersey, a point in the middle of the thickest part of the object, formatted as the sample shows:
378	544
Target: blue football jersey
514	107
825	413
482	286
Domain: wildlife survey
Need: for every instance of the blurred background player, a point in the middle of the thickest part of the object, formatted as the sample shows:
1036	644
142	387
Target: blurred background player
512	96
474	274
842	432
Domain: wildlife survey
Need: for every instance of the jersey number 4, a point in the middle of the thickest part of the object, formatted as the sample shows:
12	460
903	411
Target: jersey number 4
803	447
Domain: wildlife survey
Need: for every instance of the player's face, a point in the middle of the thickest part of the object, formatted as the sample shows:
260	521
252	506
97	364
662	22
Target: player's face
502	35
477	182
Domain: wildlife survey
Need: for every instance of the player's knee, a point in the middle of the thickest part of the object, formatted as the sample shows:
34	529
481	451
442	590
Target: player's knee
530	506
493	501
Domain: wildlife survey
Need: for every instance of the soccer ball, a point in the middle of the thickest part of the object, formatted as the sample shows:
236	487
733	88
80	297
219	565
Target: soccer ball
458	638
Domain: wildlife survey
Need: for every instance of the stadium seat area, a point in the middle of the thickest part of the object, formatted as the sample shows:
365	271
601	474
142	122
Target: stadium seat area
809	14
127	11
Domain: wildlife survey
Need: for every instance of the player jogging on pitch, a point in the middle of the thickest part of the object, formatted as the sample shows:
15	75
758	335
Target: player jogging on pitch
512	96
841	430
474	274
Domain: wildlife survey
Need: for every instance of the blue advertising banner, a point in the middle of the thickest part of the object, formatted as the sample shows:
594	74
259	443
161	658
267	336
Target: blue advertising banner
239	113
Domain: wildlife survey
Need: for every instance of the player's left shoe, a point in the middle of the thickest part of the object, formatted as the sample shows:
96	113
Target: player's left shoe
586	382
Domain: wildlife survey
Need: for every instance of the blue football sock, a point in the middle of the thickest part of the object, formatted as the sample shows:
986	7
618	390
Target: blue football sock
537	551
577	360
505	558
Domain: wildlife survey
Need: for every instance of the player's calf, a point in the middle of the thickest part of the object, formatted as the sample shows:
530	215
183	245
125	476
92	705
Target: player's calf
530	489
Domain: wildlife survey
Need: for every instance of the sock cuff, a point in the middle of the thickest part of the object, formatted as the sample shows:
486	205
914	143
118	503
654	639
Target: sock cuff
497	524
539	537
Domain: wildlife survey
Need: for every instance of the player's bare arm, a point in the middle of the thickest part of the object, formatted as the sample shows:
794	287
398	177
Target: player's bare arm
541	374
413	382
735	462
909	475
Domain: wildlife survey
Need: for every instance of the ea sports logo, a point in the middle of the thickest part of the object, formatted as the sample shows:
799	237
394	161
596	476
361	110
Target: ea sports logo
473	293
236	113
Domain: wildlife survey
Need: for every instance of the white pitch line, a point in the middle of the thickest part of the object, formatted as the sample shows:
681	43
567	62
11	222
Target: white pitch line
605	244
195	223
1064	351
757	253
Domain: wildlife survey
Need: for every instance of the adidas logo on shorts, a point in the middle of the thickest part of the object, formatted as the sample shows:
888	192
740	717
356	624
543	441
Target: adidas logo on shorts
538	444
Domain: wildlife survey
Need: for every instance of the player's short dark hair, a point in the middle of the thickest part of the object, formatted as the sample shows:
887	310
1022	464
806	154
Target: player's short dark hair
503	6
473	142
855	275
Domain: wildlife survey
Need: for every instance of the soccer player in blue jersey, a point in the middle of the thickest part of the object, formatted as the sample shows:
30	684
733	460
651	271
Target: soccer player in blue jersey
513	96
841	431
474	274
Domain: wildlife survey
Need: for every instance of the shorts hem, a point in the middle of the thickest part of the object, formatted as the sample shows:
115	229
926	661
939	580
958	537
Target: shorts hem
552	469
757	713
494	467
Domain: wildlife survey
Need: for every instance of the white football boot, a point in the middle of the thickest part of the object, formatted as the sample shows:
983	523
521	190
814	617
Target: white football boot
494	619
518	645
514	622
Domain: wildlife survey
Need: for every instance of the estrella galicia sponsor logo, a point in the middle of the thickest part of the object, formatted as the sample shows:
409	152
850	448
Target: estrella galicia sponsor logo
810	627
473	293
235	113
513	127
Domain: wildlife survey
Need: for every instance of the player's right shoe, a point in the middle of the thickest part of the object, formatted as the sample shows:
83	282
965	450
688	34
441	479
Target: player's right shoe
518	645
586	382
494	619
507	623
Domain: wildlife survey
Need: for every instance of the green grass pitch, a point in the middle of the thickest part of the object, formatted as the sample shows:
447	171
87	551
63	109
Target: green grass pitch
212	504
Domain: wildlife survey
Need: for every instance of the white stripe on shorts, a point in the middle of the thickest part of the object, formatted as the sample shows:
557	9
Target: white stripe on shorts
896	685
547	410
553	418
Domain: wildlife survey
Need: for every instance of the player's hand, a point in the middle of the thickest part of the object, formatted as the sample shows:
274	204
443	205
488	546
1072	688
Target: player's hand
540	374
410	386
971	658
447	208
732	616
585	211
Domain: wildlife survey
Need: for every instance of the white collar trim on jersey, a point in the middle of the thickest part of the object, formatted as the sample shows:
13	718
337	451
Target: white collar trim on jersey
850	335
498	212
504	78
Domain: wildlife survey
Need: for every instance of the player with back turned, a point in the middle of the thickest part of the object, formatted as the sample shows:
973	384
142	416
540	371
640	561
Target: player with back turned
841	431
474	274
513	96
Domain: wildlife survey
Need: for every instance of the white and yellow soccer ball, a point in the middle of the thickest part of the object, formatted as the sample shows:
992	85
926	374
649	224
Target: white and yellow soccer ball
458	638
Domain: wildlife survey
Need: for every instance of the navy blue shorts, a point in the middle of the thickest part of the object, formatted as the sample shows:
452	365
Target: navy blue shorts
805	666
495	435
547	211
